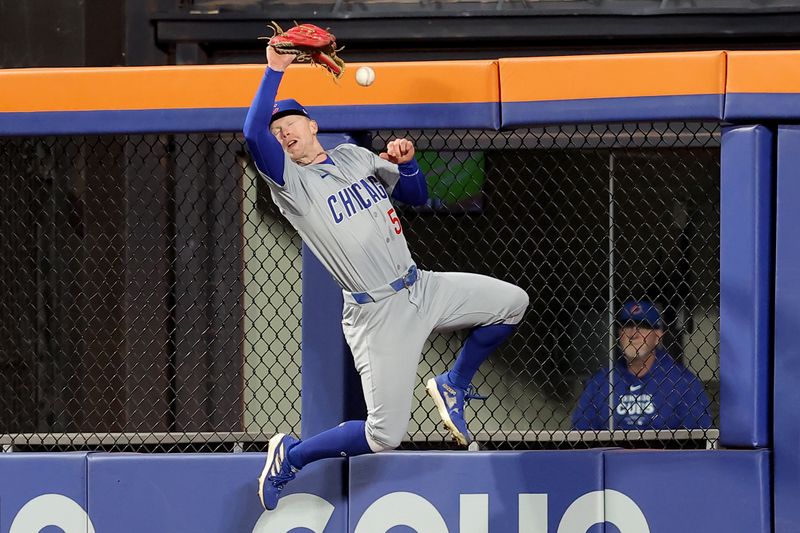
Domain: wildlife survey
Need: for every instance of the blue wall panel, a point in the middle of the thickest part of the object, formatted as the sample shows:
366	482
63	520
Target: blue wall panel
433	492
480	115
477	115
709	491
212	493
786	421
440	491
43	489
762	107
330	384
700	106
119	121
746	239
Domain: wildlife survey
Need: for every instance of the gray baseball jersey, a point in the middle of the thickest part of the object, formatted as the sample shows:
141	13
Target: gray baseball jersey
344	215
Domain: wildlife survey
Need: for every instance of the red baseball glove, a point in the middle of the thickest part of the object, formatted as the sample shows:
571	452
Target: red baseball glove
310	44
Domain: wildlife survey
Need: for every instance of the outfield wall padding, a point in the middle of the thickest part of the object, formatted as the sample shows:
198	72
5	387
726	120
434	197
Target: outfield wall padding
612	88
786	422
746	270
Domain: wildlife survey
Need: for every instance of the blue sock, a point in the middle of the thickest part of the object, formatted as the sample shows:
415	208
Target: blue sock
479	345
345	440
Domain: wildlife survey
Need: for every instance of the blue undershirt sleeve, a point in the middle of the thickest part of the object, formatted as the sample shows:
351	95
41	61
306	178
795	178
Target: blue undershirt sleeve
267	152
411	188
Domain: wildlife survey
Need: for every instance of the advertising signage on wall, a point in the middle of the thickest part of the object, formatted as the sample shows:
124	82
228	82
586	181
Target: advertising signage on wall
634	491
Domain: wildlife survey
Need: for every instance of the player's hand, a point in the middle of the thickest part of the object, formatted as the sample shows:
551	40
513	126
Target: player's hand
278	62
398	151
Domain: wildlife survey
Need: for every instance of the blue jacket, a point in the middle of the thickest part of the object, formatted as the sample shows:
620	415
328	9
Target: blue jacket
668	397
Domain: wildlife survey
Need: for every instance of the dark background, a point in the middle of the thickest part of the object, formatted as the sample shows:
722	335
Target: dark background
60	33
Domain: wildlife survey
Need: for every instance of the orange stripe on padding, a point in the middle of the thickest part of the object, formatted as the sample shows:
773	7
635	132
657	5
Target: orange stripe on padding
129	88
612	76
126	88
764	72
421	82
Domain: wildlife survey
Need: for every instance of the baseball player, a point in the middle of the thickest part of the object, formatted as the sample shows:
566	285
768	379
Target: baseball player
340	203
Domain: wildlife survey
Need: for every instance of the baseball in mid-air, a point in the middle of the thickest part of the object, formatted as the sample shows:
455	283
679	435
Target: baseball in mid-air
365	76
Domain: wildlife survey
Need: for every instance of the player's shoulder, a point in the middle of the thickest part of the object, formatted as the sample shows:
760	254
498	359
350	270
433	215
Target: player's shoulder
353	151
353	158
346	147
350	150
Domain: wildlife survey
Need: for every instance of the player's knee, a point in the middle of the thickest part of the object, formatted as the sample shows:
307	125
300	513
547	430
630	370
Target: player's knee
381	444
518	303
382	438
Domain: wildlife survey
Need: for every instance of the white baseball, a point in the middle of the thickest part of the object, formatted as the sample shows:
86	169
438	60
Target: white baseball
365	76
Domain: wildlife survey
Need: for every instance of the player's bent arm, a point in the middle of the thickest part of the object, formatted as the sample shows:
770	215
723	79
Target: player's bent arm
411	188
267	152
405	182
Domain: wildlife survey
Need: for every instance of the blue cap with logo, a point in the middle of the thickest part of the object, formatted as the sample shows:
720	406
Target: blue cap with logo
642	312
283	108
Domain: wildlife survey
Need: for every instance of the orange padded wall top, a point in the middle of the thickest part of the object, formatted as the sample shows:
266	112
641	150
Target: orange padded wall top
764	72
226	86
612	76
419	82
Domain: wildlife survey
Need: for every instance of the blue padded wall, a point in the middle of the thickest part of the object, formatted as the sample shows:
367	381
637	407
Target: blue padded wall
786	421
43	491
598	110
745	285
594	491
708	491
331	388
212	493
761	107
470	491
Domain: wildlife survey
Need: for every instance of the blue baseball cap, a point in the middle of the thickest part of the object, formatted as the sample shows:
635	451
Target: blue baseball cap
290	106
642	312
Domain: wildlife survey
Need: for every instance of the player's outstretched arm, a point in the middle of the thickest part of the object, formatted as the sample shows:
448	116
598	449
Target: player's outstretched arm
411	188
267	152
278	62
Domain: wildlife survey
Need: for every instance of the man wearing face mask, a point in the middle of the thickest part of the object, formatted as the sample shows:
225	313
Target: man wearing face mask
650	389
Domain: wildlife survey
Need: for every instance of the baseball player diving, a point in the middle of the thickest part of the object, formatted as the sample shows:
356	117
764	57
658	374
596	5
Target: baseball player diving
340	202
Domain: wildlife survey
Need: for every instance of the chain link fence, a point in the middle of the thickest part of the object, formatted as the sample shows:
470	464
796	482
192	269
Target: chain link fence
150	292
